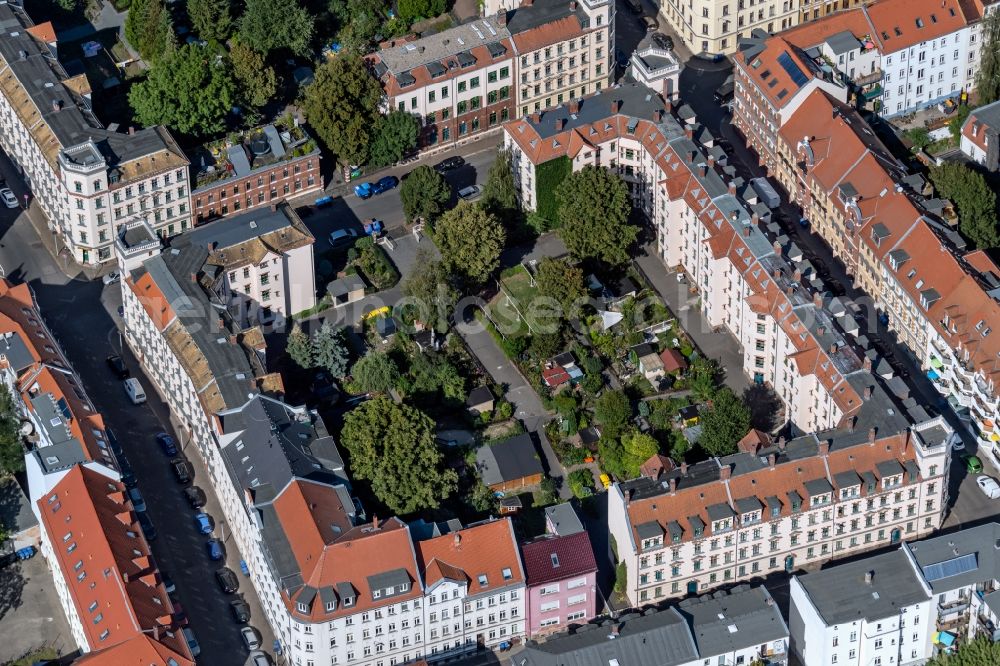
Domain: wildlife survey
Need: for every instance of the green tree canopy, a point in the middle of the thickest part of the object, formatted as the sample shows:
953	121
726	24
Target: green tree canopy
593	215
470	240
211	18
190	90
637	448
269	25
613	411
330	349
411	10
980	652
258	82
395	137
299	347
11	449
557	279
341	105
988	76
360	21
724	424
703	378
375	372
393	447
149	30
975	201
424	194
431	289
500	192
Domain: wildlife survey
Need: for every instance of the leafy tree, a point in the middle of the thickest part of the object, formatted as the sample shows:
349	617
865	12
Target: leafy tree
581	482
412	10
557	279
975	201
375	372
703	378
980	652
482	498
211	18
300	348
69	6
920	137
190	91
500	192
342	107
724	424
11	449
258	82
988	76
470	240
330	349
393	447
432	290
424	194
956	122
613	411
395	138
545	345
360	21
637	448
270	25
149	30
593	212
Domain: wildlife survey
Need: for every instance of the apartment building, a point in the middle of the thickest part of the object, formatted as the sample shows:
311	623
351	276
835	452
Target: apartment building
811	10
740	626
474	77
877	610
891	56
562	582
981	136
714	27
264	166
656	68
86	179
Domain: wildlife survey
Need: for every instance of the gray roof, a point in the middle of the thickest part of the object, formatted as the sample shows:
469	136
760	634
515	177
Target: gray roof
748	504
816	487
694	630
843	42
511	459
992	601
636	100
13	349
394	579
720	511
847	479
562	519
540	12
432	50
840	593
15	509
233	230
649	530
889	468
989	115
60	456
345	285
959	559
479	395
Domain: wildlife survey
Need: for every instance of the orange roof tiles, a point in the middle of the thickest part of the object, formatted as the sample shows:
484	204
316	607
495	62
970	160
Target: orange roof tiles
43	32
141	650
549	33
488	549
153	301
813	33
771	79
901	24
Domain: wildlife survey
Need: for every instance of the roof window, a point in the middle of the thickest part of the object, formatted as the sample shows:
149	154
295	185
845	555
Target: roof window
483	581
507	574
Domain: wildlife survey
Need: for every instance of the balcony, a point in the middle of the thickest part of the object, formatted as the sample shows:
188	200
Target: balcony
956	607
868	79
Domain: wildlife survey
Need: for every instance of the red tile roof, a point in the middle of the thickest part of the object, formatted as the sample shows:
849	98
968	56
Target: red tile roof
105	561
548	33
141	650
153	301
901	24
555	376
487	549
673	360
552	558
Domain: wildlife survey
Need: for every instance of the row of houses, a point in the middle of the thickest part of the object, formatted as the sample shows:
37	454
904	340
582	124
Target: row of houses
90	180
893	56
865	466
85	524
336	585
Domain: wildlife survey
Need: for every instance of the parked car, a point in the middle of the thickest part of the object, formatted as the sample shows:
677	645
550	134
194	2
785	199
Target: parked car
958	445
195	496
8	197
989	486
179	616
605	481
385	184
663	41
215	551
324	388
182	469
117	366
112	278
148	529
342	237
449	164
471	192
723	94
138	503
258	658
227	579
973	464
192	642
363	190
651	23
168	582
204	523
167	443
134	391
241	611
621	58
250	638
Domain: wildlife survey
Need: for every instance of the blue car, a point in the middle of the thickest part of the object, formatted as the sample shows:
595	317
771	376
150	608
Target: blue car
385	184
167	443
214	547
204	523
364	190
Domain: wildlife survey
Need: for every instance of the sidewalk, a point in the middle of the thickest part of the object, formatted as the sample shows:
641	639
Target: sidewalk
54	246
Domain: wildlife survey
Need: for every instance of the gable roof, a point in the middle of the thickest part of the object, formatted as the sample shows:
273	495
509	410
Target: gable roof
550	558
484	556
509	460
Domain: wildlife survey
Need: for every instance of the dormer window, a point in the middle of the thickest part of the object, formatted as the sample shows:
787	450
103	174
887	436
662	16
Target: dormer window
330	606
403	587
892	481
751	517
390	590
302	608
348	601
376	594
820	500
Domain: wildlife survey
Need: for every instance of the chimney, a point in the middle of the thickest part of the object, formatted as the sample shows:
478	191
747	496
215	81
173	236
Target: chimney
689	131
867	364
232	339
673	485
781	443
458	539
658	116
746	231
797	275
274	206
868	392
56	105
536	117
771	459
616	629
777	248
711	159
776	274
702	169
560	123
820	330
194	277
131	129
725	472
869	577
824	448
789	290
684	469
755	218
832	349
818	299
851	422
574	106
572	5
502	17
615	105
871	436
527	3
732	188
222	324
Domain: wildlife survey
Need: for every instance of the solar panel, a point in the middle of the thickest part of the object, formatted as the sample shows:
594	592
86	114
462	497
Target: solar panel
949	568
793	70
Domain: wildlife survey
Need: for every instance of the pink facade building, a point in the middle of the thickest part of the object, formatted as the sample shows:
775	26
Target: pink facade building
562	582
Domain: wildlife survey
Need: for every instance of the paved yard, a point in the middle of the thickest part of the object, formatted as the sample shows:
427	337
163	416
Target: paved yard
30	614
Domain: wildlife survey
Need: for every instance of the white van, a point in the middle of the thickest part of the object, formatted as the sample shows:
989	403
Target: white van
134	391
